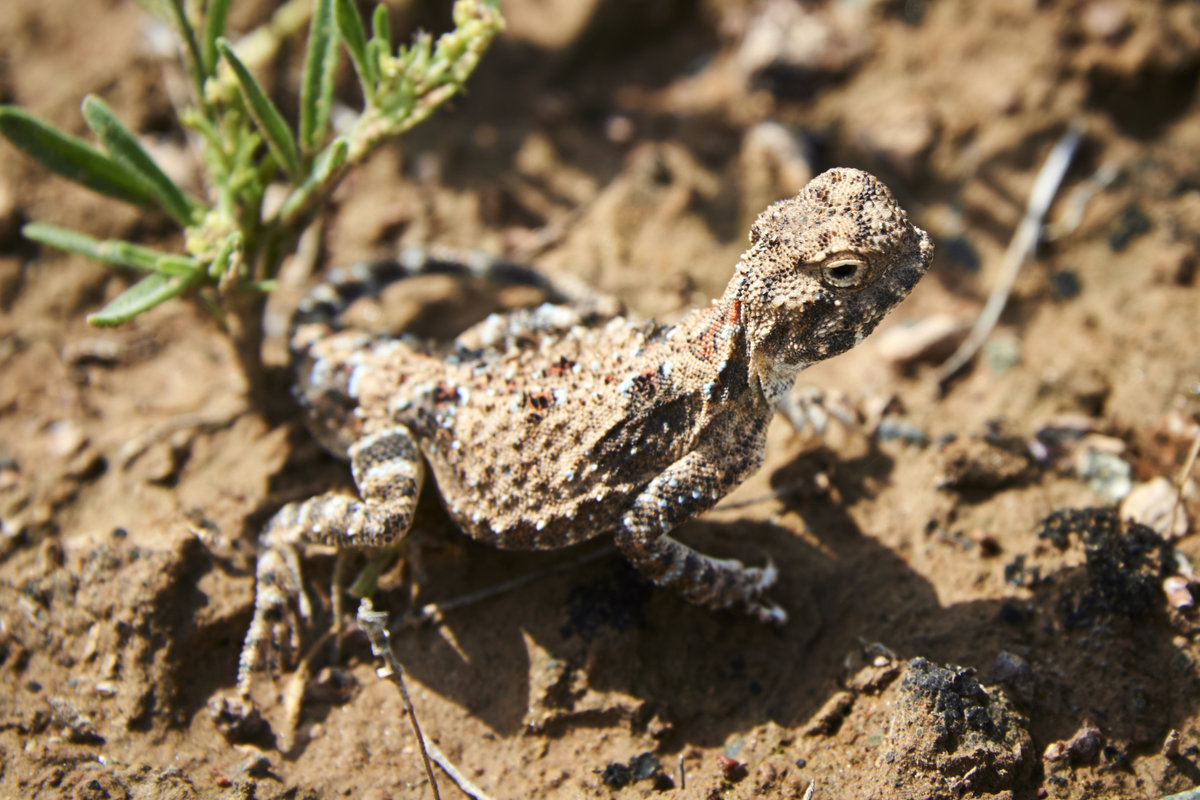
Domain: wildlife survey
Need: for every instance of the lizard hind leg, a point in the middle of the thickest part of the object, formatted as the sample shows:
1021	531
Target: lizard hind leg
388	472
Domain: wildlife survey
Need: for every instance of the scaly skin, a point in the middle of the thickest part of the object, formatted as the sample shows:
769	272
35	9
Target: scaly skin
548	427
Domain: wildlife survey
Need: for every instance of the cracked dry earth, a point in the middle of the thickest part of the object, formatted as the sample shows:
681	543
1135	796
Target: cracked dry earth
989	589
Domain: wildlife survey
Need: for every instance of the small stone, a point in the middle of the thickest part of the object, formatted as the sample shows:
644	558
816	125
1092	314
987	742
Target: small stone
1157	505
930	338
1105	19
987	463
616	775
731	769
901	133
619	129
1010	668
1105	473
1084	746
1177	592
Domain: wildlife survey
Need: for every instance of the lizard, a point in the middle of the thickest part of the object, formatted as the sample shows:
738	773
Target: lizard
549	426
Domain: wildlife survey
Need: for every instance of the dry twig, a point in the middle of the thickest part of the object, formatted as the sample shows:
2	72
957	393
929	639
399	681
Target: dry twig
374	624
1188	463
1022	246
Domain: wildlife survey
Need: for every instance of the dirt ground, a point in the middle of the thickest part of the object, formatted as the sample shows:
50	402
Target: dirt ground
962	625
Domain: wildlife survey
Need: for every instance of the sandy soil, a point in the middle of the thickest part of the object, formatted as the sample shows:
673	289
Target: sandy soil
946	641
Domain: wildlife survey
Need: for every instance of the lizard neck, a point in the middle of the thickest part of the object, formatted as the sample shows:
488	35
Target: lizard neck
770	369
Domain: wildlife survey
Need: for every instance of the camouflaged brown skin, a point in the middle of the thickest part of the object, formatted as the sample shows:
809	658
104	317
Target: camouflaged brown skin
542	431
546	443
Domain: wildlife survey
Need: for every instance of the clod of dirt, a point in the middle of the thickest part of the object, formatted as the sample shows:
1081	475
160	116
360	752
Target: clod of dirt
948	736
616	775
986	464
792	49
119	782
1125	564
1015	673
131	608
239	722
332	685
1132	223
1082	748
641	767
829	717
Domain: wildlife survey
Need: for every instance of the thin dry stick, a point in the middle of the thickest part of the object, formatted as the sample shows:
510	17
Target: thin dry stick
374	624
1021	247
1188	463
293	696
464	783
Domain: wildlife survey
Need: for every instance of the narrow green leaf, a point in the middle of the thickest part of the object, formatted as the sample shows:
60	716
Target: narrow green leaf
152	290
320	68
191	49
75	242
266	116
350	26
331	159
117	253
228	256
214	26
72	158
171	264
375	53
126	254
123	146
381	27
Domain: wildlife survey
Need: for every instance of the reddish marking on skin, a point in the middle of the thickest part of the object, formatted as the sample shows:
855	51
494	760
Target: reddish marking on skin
538	402
706	348
644	382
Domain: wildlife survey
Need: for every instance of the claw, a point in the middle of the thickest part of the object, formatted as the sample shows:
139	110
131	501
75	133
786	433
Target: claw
759	580
280	606
769	575
768	613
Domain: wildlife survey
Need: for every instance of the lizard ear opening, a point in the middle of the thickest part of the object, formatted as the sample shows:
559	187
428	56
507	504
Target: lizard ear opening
844	273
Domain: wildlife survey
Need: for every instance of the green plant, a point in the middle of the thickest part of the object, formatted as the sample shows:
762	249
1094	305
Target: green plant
233	245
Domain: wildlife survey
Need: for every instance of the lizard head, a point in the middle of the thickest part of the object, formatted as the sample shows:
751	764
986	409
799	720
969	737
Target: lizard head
823	268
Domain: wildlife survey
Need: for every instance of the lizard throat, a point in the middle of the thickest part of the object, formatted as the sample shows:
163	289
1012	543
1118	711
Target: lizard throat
776	377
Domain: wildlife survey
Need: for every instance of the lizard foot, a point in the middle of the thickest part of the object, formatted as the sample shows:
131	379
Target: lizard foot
756	581
280	607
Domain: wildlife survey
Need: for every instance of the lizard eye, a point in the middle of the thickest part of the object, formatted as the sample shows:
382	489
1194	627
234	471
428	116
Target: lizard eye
844	273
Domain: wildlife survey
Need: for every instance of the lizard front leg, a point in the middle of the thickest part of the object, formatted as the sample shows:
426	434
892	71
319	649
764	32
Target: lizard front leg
388	472
685	489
